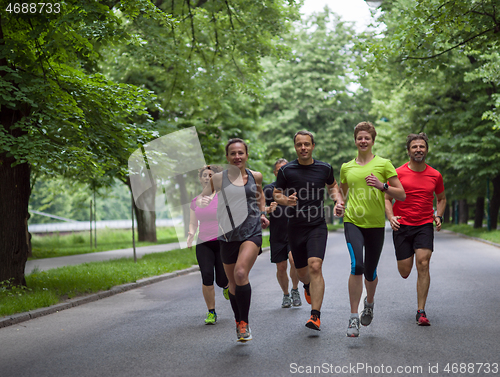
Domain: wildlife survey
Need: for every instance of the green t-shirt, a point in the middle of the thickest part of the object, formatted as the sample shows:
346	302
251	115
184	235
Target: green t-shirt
365	205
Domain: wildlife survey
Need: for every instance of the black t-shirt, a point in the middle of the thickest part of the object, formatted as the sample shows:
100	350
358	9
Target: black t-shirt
308	181
278	218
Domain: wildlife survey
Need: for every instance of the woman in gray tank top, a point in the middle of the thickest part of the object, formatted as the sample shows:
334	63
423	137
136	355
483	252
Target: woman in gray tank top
241	217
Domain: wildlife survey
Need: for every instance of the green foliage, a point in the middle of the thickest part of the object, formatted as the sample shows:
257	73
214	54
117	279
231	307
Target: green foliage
65	198
316	89
206	68
435	70
75	122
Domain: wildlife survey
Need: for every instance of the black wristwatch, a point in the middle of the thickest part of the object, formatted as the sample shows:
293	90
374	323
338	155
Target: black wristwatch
440	218
386	187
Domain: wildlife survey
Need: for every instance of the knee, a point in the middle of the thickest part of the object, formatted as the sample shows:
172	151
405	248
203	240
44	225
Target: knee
315	267
240	274
207	279
281	267
423	265
404	269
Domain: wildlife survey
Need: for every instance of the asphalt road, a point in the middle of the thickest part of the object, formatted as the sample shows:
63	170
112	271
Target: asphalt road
159	330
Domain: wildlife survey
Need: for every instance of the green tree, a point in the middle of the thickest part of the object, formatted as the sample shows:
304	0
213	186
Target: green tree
433	71
317	89
205	69
60	116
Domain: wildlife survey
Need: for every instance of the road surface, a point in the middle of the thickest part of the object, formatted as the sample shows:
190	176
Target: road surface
159	330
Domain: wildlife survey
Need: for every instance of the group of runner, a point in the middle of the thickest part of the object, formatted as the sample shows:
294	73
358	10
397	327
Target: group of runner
237	205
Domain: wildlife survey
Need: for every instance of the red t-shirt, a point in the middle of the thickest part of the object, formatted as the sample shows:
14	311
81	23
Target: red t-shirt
419	187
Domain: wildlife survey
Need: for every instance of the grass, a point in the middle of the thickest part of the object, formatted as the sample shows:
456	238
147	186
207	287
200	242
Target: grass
45	288
493	236
58	245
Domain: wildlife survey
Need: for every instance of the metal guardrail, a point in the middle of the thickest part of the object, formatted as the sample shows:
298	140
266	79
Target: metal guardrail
75	226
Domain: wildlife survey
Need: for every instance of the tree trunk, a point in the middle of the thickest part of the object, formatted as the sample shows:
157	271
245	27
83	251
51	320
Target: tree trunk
495	202
447	214
146	224
463	211
15	192
479	213
145	215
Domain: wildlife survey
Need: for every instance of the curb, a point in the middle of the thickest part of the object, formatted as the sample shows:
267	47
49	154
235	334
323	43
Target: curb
470	237
32	314
26	316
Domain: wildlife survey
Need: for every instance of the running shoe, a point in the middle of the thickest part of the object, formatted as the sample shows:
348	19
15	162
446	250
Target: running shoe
367	314
211	318
225	292
353	328
422	318
237	330
307	295
287	301
245	333
296	297
313	322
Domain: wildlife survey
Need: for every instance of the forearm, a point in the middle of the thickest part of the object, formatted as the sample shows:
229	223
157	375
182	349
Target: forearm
280	198
440	207
388	208
396	193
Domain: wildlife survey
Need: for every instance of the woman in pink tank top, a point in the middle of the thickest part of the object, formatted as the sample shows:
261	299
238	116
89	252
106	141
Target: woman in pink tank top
207	245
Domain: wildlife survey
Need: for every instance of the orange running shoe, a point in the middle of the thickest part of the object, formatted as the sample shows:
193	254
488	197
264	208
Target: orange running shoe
245	333
307	295
313	322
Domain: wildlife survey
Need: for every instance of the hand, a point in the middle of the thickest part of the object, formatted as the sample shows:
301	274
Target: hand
292	199
205	201
339	209
395	225
373	181
272	207
437	220
264	222
190	240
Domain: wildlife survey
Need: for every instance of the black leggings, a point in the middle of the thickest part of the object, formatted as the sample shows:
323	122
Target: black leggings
373	241
208	256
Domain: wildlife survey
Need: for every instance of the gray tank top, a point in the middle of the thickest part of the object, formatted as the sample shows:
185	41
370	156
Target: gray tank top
238	211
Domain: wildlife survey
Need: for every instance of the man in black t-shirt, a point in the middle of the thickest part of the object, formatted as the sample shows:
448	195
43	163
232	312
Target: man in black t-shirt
307	231
280	250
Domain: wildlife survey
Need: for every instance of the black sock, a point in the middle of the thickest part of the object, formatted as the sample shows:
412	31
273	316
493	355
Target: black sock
316	312
306	287
234	306
243	295
211	311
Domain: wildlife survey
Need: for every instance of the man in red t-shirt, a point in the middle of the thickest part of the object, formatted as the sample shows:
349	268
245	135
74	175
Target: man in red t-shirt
412	220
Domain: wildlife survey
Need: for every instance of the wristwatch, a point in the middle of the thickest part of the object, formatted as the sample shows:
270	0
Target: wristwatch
440	218
263	213
386	187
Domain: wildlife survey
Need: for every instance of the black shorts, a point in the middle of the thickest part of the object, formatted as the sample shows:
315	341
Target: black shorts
229	250
279	252
409	237
307	242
